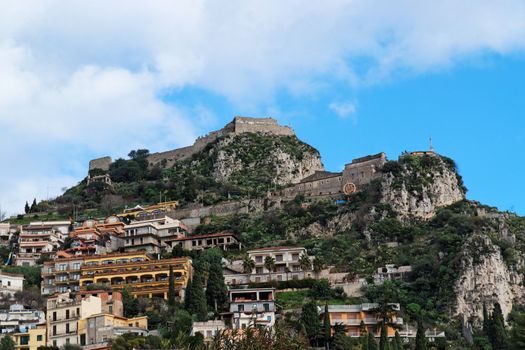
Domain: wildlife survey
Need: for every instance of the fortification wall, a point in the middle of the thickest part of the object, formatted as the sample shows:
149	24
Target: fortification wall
261	125
363	170
100	163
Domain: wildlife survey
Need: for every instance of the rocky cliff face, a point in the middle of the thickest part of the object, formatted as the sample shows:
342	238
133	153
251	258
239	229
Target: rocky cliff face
284	158
418	186
485	278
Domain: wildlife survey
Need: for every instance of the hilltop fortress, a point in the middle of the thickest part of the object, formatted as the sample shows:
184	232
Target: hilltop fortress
239	125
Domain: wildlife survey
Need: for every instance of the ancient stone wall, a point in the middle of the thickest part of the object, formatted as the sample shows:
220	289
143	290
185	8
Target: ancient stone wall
261	125
100	163
363	170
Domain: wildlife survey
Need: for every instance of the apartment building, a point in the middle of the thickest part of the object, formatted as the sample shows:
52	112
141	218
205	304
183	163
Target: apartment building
67	314
30	338
17	318
208	329
151	235
222	240
5	234
391	272
252	307
96	330
145	276
287	264
97	237
62	274
358	318
10	283
38	239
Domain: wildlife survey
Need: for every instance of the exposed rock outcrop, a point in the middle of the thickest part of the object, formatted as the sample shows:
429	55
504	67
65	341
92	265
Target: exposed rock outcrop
485	278
420	186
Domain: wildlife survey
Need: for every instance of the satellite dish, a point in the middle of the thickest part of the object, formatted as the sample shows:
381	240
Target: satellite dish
349	188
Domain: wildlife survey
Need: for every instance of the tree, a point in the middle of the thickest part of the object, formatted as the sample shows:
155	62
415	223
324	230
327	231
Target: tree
26	208
269	263
310	321
195	297
33	206
327	327
398	345
305	263
371	343
216	290
171	288
517	333
421	340
248	264
318	265
497	334
7	343
383	340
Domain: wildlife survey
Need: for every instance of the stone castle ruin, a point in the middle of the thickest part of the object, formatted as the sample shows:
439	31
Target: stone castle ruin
239	125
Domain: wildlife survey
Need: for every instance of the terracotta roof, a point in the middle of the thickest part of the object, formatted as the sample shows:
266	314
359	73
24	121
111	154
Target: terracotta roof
319	175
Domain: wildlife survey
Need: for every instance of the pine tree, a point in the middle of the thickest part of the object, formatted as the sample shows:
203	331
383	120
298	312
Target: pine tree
327	327
497	334
383	341
421	340
372	345
171	288
310	321
26	208
216	291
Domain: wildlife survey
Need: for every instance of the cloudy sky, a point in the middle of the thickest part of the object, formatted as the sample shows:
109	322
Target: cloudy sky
80	80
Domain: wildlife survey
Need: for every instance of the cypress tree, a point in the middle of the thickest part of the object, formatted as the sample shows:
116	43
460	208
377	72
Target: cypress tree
310	321
372	345
33	206
383	341
26	208
195	301
216	291
397	342
171	288
497	334
517	334
421	340
327	328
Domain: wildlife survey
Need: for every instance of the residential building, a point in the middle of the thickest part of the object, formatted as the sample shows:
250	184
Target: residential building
222	240
151	235
287	265
11	283
208	329
38	239
97	237
96	330
354	317
18	318
5	234
66	314
252	307
149	212
391	272
30	338
145	276
62	274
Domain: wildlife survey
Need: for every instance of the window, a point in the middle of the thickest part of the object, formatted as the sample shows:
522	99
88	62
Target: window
295	257
279	257
55	330
259	270
259	259
269	318
67	340
266	307
9	283
54	316
240	308
209	334
67	327
39	337
67	314
110	309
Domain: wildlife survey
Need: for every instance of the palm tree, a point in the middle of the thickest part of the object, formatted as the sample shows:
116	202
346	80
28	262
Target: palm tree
248	264
269	263
305	263
318	265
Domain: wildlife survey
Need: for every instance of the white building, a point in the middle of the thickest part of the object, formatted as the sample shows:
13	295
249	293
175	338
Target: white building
5	234
287	265
151	235
391	272
11	283
252	307
208	329
40	238
17	318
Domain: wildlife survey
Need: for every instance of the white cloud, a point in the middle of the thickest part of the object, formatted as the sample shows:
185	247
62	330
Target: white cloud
344	110
89	78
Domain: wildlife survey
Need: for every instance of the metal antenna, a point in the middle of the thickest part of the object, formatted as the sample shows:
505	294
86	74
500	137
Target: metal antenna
431	149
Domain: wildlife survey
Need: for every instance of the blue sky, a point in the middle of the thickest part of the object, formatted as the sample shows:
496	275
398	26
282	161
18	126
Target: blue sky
353	77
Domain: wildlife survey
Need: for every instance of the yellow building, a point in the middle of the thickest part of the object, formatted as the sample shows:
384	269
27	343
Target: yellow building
146	277
96	330
31	339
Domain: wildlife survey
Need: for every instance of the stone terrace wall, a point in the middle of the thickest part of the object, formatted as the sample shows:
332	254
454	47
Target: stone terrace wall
100	163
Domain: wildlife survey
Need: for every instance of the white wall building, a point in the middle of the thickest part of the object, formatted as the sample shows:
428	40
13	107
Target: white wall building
252	307
11	283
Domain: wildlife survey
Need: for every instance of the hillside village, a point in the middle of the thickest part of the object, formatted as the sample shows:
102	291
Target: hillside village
245	235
